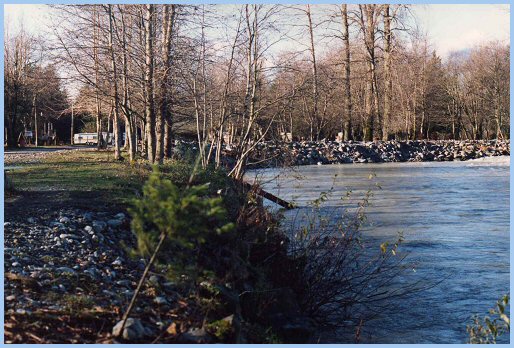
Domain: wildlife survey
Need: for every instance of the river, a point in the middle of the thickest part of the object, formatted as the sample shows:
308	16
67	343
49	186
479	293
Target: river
455	220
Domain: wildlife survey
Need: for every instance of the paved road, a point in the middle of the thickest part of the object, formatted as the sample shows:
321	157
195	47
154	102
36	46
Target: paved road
34	150
14	157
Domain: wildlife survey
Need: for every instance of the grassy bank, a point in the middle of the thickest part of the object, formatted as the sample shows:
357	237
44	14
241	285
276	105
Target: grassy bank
231	287
81	171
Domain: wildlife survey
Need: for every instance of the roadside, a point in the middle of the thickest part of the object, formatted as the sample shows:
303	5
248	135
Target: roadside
36	154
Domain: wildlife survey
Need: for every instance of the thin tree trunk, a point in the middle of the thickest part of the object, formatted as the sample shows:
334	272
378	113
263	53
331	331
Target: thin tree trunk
368	26
97	81
149	105
116	126
163	116
347	123
314	70
387	72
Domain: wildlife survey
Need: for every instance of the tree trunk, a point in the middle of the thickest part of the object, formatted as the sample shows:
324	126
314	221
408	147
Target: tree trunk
130	124
347	82
368	26
149	105
116	126
387	72
163	118
316	127
97	80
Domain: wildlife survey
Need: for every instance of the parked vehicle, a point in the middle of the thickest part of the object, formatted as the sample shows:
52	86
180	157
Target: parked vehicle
91	138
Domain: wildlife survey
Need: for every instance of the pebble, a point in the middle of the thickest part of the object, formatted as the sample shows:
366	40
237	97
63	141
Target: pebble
160	300
99	226
125	282
120	216
55	254
66	270
133	329
114	223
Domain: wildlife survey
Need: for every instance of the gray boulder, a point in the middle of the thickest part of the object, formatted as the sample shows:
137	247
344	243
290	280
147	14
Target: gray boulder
133	330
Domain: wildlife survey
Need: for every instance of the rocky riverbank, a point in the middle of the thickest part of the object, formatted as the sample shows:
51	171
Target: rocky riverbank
67	265
69	277
331	152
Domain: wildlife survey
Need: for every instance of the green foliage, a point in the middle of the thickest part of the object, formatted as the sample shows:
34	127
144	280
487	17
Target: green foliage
185	215
222	329
488	329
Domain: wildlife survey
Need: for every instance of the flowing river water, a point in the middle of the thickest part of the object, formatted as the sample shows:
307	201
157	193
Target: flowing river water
454	217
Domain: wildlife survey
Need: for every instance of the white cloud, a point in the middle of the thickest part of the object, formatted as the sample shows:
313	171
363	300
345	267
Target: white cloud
458	27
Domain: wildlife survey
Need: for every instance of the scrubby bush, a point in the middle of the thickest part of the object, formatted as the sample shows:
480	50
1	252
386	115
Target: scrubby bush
344	276
184	215
489	329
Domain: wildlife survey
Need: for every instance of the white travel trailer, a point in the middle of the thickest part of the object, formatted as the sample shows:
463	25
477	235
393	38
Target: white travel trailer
90	138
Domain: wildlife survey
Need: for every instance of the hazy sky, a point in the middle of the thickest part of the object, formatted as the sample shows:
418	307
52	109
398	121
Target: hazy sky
449	27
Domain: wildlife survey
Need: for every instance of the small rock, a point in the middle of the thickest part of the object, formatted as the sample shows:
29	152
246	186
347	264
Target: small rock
66	270
154	280
68	236
133	329
31	220
160	300
125	282
57	225
120	216
99	226
195	336
114	223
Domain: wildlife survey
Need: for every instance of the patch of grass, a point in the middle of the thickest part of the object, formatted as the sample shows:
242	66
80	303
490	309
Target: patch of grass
75	304
222	329
9	188
82	171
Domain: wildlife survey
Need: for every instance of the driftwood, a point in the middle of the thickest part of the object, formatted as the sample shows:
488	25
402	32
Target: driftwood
269	196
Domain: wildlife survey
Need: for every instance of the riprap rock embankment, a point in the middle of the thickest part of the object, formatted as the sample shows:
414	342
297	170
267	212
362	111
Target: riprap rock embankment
331	152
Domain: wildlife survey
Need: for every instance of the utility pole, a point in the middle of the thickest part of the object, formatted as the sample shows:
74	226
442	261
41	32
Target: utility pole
71	139
36	142
35	122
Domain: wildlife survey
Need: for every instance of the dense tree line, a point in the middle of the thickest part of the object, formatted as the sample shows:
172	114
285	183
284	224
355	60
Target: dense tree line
33	93
239	74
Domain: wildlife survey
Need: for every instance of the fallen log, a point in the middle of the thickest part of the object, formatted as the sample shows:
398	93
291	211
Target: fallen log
269	196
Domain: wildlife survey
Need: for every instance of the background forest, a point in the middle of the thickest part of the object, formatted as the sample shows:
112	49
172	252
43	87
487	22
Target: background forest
246	73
